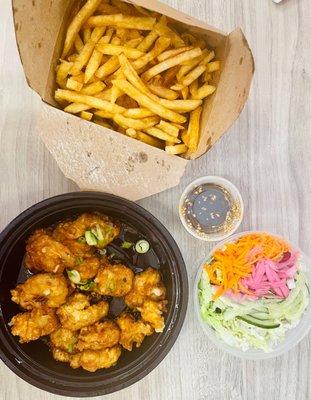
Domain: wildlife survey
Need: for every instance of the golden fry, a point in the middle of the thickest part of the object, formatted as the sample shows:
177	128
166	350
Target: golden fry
86	35
213	66
78	43
177	149
74	85
93	65
122	21
108	67
181	106
152	141
75	108
193	75
158	133
89	100
163	66
162	91
204	91
86	115
115	50
63	71
169	128
139	124
85	12
148	41
93	88
160	45
194	129
163	30
145	101
172	53
137	113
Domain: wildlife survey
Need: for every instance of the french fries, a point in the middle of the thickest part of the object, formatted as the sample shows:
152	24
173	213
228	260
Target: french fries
85	12
126	68
171	62
122	21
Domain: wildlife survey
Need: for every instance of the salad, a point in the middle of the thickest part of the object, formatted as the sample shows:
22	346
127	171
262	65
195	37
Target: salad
252	290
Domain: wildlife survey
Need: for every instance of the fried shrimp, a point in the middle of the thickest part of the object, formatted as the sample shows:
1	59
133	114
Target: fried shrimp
132	331
114	280
87	267
101	228
33	324
98	336
78	247
92	360
60	355
43	253
43	289
78	313
146	285
64	339
151	312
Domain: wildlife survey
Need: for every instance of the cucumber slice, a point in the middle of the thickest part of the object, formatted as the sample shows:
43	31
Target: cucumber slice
265	324
90	238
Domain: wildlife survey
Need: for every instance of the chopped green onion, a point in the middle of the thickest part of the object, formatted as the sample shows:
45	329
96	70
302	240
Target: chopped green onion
102	252
79	260
81	239
74	276
98	233
72	344
142	246
111	255
90	238
127	245
88	285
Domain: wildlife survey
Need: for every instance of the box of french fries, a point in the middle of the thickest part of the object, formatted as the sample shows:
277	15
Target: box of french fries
132	91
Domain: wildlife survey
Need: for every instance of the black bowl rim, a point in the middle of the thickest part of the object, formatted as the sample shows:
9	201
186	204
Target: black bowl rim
184	293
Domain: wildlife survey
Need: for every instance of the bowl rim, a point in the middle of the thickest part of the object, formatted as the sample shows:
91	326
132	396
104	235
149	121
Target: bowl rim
157	354
252	354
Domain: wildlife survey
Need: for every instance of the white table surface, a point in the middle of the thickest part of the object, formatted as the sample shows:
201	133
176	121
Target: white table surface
267	154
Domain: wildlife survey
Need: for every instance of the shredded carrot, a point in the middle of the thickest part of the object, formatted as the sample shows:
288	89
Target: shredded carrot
236	261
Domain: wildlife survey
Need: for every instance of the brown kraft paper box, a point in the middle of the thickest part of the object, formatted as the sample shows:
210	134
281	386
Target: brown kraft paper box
97	158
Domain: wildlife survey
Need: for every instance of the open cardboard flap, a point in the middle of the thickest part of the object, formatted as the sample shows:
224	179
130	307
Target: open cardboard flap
96	157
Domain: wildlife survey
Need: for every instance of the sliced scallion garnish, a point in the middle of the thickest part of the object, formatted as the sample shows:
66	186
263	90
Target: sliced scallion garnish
127	245
74	276
142	246
90	238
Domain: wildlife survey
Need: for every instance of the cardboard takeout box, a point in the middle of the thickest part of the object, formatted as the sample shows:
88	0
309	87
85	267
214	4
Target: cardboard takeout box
101	159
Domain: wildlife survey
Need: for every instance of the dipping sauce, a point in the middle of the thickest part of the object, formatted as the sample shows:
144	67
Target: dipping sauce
210	209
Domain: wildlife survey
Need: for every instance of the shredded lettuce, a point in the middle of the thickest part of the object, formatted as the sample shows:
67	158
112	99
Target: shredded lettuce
274	316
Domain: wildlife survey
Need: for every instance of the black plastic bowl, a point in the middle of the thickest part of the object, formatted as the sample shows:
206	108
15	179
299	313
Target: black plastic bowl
33	361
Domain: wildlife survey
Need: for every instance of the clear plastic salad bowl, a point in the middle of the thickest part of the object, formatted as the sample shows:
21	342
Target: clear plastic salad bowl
292	336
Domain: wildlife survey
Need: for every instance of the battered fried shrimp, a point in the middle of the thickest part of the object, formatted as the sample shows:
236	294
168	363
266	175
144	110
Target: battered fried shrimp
33	324
78	313
132	331
64	339
114	280
92	360
42	289
60	355
98	336
151	312
87	267
43	253
78	247
103	230
146	285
